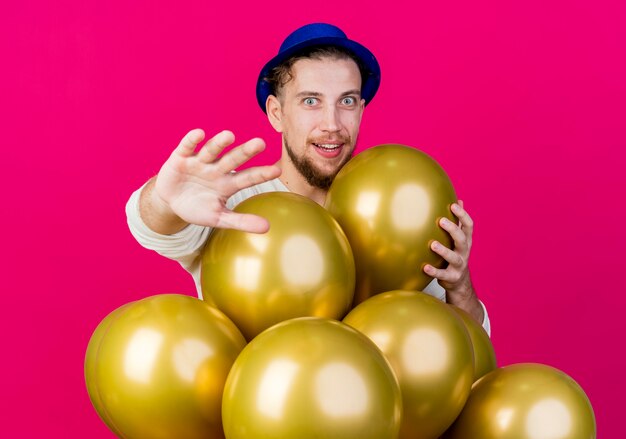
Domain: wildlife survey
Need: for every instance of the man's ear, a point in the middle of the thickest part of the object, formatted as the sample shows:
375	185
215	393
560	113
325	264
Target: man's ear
274	112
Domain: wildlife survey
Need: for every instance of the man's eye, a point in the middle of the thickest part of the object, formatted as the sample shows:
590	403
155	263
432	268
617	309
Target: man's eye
348	100
310	101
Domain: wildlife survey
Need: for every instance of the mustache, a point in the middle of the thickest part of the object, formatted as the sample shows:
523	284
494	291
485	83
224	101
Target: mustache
331	139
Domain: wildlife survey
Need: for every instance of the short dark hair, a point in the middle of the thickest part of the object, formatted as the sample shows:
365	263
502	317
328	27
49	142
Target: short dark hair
281	74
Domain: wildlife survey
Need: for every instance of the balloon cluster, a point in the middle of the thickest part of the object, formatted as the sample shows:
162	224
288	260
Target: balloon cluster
267	354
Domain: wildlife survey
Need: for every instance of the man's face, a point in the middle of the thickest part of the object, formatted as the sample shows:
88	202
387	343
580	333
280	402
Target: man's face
318	114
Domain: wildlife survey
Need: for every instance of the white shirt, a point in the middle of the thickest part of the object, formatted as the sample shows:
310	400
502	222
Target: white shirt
186	245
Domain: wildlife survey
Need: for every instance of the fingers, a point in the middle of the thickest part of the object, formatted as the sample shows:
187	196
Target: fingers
453	258
240	155
450	275
188	144
465	220
252	176
456	273
456	264
437	273
211	150
459	236
243	221
461	233
214	146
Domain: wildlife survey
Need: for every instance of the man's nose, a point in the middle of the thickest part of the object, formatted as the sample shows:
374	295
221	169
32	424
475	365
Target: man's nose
330	120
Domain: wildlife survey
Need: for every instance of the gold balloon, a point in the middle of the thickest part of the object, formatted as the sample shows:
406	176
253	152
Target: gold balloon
156	368
302	267
430	351
484	354
91	363
525	401
311	378
389	200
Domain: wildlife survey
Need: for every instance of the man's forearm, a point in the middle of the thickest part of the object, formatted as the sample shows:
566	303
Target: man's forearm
468	301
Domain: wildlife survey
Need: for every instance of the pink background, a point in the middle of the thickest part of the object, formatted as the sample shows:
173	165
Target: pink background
524	105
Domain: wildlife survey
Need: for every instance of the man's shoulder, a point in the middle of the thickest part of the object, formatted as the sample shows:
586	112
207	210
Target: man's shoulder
274	185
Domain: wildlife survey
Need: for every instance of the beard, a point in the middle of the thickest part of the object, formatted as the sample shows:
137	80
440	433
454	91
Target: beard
311	174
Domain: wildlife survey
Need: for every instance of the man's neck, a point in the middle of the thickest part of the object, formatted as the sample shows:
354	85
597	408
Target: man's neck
296	183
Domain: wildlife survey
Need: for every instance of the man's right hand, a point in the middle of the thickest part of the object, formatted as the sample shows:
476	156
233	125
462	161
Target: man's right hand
193	187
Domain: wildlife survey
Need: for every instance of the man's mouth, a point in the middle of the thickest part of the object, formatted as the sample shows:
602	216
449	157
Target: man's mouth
328	150
328	146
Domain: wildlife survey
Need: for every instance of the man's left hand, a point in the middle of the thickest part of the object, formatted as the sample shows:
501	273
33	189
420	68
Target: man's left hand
455	278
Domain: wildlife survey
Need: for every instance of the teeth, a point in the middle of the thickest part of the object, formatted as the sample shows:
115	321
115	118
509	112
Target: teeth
327	146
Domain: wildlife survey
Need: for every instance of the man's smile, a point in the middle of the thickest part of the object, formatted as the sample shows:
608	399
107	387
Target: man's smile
329	149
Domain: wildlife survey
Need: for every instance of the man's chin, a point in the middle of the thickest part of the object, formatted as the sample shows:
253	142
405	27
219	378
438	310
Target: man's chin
318	178
318	173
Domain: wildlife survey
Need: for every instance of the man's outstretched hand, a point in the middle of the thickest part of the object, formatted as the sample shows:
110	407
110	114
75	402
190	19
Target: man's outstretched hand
194	184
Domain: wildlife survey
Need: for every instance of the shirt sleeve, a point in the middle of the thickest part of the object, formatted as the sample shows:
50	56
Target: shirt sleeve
183	246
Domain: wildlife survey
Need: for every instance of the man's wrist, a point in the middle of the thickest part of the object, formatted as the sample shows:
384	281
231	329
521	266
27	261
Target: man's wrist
156	213
461	293
466	299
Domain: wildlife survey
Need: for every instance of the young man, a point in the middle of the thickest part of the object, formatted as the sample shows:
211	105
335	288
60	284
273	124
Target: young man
314	93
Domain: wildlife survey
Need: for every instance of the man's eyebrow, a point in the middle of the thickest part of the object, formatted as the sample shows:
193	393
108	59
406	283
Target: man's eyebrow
317	94
308	93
